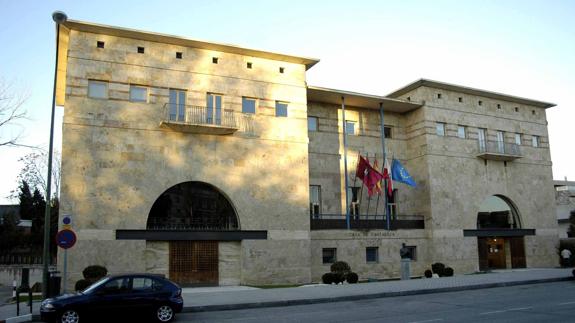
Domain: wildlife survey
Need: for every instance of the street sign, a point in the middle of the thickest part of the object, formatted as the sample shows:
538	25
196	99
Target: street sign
67	222
66	238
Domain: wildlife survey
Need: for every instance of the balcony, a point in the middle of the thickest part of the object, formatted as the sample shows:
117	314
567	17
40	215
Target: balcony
497	150
196	119
365	222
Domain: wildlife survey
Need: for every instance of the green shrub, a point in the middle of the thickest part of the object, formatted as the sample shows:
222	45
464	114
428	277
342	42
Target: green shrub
327	278
340	267
352	278
82	284
428	273
448	272
94	272
437	268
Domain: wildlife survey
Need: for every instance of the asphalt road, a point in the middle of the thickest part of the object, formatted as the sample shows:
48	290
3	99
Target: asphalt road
551	302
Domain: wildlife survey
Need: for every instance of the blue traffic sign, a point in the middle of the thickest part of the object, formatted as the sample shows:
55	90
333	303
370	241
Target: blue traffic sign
66	238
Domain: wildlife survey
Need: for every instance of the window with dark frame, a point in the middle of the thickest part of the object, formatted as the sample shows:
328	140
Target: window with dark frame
412	252
439	95
281	109
460	99
248	105
349	127
329	255
282	69
249	65
387	132
315	200
372	255
312	123
140	50
480	102
214	60
97	89
179	55
138	93
100	44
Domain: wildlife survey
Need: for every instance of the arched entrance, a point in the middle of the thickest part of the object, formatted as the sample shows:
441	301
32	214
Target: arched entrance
193	207
500	238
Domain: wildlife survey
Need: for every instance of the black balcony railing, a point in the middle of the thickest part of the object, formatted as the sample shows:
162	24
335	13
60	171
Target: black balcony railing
221	223
199	119
365	222
499	150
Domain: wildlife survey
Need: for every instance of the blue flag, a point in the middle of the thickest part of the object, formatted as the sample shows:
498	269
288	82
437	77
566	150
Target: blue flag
400	174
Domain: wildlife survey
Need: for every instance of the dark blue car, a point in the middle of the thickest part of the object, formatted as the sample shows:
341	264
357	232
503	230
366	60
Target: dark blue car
118	295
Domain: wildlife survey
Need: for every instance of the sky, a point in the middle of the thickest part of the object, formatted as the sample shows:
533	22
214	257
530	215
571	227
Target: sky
522	48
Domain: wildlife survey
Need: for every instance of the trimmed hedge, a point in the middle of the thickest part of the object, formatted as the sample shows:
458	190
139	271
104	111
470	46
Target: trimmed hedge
428	273
94	272
352	278
340	267
438	268
82	284
448	272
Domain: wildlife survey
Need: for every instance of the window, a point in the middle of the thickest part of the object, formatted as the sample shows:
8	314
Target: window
100	44
214	60
353	195
138	93
350	127
214	108
179	55
516	109
315	200
248	105
498	106
140	50
501	142
408	98
533	112
461	133
480	103
177	105
372	254
312	123
282	69
116	286
392	203
387	132
518	139
141	284
329	255
97	90
440	128
281	109
481	138
249	65
535	141
439	95
460	99
412	252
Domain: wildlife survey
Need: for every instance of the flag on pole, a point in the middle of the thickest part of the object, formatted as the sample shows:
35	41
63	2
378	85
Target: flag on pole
388	178
400	174
362	165
378	184
368	175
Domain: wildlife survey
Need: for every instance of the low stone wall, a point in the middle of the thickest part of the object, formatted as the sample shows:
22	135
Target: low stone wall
9	273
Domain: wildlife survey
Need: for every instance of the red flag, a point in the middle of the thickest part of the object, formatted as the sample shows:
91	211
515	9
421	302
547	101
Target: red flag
378	184
362	166
371	179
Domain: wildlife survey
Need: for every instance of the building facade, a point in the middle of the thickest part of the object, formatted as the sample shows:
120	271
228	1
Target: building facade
218	165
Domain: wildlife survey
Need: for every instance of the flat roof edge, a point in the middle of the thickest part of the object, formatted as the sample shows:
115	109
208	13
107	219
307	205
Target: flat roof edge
183	41
469	90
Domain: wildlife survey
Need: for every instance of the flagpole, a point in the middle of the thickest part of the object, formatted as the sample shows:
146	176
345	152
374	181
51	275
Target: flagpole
369	197
387	219
360	195
345	164
377	203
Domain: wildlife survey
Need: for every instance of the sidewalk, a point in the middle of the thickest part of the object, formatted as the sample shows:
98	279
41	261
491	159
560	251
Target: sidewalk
226	298
241	297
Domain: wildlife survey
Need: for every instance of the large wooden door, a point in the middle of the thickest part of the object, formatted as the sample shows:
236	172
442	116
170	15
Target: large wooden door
496	253
194	263
517	247
482	251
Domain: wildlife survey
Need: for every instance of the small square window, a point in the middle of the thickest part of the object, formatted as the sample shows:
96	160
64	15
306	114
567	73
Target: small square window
387	132
372	254
516	109
312	123
281	109
100	44
350	127
439	95
329	255
461	133
479	102
249	65
315	200
179	55
138	93
97	89
440	128
498	106
533	112
408	98
518	139
214	60
140	50
282	69
248	105
460	99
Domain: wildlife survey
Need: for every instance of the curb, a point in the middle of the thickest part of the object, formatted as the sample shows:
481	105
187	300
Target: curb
17	319
227	307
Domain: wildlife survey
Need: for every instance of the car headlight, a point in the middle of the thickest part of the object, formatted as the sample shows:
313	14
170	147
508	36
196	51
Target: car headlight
47	306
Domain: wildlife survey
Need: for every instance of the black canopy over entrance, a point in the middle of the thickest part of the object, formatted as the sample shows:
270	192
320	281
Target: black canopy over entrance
192	206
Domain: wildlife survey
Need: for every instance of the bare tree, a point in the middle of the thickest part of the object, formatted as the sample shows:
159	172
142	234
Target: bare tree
34	169
10	112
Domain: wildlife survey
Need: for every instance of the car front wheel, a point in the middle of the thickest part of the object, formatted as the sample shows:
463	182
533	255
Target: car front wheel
69	316
164	313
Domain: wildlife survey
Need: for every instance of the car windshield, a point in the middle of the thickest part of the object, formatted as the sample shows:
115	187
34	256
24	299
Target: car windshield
95	286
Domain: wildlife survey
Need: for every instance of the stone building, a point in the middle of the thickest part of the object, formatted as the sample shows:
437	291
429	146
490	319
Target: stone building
565	200
217	164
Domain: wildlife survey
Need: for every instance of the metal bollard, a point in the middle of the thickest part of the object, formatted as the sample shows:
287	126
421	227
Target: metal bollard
17	303
30	299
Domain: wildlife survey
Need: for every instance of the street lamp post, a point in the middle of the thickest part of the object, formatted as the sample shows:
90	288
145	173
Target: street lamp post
59	17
